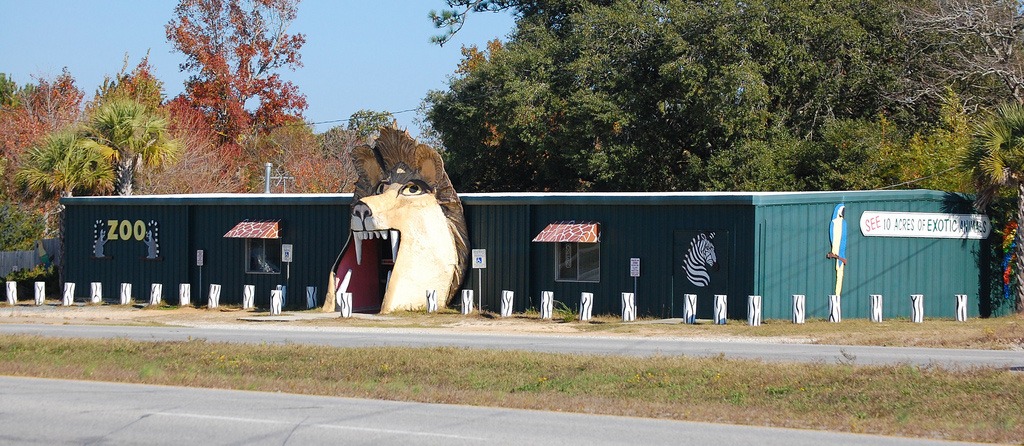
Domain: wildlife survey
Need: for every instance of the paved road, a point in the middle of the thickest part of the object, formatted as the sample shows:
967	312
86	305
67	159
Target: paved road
633	346
43	411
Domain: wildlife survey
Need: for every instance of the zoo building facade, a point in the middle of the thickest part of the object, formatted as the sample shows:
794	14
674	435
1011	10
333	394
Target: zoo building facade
659	245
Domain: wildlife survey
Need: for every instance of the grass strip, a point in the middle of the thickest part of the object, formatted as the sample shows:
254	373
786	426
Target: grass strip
929	402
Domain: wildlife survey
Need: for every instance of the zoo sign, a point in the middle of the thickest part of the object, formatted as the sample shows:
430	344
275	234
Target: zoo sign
925	225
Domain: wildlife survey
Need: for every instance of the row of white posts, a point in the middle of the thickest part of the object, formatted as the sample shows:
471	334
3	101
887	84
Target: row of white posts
547	300
754	307
835	311
277	296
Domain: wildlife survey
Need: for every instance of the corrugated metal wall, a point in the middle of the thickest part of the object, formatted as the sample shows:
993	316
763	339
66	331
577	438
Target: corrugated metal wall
316	226
628	229
794	239
768	244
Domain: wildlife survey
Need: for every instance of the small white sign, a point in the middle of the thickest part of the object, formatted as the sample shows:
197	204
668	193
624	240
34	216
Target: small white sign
925	225
634	267
286	253
199	257
479	259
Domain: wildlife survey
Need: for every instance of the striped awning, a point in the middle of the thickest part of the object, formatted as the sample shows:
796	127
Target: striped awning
570	231
254	229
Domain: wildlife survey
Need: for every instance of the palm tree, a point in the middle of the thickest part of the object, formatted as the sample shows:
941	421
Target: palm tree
131	137
63	165
996	161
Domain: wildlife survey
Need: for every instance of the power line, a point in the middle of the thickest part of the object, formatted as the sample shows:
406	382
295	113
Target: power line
916	179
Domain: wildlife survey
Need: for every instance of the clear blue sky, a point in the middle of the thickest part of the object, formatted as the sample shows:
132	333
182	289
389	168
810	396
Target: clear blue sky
359	54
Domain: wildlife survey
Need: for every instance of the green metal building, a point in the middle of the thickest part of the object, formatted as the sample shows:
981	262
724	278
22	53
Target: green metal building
660	245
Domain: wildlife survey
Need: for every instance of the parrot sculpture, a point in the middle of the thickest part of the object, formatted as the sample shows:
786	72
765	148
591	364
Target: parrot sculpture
837	238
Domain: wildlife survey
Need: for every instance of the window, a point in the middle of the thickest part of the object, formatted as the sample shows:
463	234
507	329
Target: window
263	255
578	262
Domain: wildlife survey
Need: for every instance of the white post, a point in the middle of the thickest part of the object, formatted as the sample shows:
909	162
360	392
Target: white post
96	292
343	301
184	294
547	304
586	306
69	294
799	308
40	292
126	293
214	298
628	307
156	294
467	301
961	308
835	309
310	297
275	302
249	296
917	308
754	310
12	292
284	296
689	308
720	309
506	303
876	308
431	301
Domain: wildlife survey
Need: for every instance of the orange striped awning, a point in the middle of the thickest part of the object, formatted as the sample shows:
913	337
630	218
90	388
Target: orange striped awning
254	229
570	231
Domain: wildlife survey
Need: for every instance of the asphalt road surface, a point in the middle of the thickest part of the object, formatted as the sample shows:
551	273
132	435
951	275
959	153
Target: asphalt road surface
601	345
45	411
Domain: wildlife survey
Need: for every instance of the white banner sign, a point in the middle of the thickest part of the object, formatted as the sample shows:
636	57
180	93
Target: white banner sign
925	225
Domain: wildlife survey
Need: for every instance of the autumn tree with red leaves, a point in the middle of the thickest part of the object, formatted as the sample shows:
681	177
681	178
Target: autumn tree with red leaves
139	85
29	113
236	48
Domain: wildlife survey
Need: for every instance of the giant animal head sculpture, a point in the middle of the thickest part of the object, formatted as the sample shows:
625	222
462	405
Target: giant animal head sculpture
404	197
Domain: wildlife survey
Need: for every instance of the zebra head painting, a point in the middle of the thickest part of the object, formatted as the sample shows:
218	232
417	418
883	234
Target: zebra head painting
699	258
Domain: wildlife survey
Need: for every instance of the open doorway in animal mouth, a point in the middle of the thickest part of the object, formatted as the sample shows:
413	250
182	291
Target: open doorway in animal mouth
407	232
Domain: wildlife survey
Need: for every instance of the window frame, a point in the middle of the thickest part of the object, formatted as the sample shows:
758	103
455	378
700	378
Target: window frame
275	247
592	252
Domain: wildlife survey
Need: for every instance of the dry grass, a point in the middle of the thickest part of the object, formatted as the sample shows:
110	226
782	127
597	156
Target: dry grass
991	333
972	405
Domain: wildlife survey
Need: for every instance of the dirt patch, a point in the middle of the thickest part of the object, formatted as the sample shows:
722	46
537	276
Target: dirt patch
1006	333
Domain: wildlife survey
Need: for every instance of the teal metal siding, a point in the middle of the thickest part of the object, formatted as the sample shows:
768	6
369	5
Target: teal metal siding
794	240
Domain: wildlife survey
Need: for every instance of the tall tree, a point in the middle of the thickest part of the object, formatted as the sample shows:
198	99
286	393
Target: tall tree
63	165
367	123
131	137
139	85
996	161
235	49
646	95
199	166
973	45
30	112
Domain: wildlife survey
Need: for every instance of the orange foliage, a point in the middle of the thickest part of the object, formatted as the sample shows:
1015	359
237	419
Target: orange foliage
235	47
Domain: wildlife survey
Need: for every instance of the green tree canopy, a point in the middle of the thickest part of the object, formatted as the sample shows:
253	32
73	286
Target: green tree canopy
676	95
996	161
64	165
128	134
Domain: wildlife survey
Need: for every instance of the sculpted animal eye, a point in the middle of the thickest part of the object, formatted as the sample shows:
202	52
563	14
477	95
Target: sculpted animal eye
412	189
380	187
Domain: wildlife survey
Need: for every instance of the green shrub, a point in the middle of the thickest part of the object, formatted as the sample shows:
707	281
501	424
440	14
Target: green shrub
19	228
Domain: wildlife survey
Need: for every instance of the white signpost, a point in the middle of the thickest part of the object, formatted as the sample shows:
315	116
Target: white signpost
479	264
634	272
